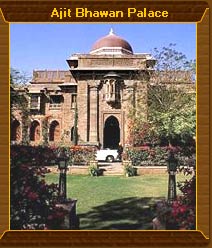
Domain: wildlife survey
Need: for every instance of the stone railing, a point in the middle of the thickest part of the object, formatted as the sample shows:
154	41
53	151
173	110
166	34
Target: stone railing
55	106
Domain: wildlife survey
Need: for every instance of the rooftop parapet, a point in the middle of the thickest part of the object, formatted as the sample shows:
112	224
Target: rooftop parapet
51	76
138	61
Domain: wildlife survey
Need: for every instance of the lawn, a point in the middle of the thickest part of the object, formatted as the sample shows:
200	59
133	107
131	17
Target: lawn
115	202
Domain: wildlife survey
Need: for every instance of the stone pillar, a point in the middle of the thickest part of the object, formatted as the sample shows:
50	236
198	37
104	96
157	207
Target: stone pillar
82	105
71	221
93	109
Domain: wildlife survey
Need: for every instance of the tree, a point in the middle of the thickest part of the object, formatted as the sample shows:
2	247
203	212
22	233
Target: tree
19	100
170	60
45	129
171	119
172	114
17	81
171	101
171	105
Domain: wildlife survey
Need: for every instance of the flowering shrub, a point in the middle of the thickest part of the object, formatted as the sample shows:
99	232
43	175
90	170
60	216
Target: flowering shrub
181	214
141	133
75	154
184	207
151	156
61	151
82	154
136	155
146	155
33	202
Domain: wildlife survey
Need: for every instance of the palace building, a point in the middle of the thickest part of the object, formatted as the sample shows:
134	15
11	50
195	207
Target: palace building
95	95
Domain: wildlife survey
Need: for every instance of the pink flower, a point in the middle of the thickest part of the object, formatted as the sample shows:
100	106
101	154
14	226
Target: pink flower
50	217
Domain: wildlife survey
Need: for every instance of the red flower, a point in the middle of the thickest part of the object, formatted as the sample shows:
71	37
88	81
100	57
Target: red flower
182	209
33	196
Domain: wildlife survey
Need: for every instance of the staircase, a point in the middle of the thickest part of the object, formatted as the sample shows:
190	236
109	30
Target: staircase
112	169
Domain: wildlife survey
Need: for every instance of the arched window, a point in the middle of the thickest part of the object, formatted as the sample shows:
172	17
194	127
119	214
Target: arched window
54	131
35	131
15	134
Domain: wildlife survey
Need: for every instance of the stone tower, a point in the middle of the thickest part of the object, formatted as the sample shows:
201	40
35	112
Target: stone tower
107	79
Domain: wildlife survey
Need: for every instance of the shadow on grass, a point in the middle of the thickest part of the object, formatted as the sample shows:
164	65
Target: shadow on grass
122	214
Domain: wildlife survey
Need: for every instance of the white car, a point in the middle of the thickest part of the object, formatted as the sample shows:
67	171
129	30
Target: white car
107	155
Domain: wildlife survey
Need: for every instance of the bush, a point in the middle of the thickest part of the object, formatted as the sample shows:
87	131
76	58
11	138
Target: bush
76	154
82	154
130	171
146	156
61	151
137	156
181	214
151	156
32	201
93	169
141	133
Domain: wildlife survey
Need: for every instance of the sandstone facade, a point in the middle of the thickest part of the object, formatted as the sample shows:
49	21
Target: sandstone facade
94	96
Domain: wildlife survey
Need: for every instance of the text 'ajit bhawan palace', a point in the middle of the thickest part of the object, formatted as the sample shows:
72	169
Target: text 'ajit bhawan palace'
95	95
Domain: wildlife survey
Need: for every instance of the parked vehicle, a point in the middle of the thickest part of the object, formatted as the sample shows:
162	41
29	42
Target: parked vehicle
107	155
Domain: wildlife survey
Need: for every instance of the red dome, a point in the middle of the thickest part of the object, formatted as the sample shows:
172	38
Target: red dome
112	40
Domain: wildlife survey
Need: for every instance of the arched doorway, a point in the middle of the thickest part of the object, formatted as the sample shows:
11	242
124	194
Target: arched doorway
35	131
54	131
111	133
15	131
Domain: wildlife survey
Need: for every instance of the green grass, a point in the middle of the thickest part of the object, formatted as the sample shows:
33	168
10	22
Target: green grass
115	202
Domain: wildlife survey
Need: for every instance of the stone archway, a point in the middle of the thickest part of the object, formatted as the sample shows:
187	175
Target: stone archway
15	134
111	137
54	131
35	131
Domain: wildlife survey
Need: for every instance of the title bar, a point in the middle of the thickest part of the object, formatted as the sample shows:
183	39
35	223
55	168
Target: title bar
102	11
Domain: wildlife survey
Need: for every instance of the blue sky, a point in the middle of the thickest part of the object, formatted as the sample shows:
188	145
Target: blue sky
47	46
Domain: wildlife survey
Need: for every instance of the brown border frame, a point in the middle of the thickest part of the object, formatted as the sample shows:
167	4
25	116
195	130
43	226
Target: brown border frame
115	238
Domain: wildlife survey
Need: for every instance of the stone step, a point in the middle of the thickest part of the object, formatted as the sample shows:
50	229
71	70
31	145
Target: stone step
109	169
112	174
122	171
115	169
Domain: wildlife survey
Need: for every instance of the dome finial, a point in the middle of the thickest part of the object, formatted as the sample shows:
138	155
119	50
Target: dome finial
111	31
